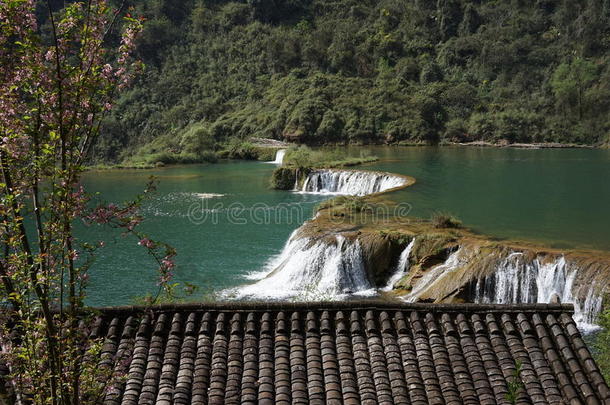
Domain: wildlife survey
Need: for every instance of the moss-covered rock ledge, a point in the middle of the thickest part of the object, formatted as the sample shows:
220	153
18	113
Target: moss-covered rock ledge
300	161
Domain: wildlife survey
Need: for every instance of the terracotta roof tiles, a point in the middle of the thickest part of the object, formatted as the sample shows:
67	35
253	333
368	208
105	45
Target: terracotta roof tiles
346	353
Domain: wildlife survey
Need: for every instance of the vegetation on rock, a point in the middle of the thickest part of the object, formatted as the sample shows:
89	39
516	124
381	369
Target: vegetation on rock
303	157
301	160
602	345
441	220
283	178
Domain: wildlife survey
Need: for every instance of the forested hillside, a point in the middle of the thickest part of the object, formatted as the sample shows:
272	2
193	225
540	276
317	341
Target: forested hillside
362	71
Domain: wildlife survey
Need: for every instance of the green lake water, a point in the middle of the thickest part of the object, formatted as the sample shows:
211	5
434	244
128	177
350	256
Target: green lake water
558	197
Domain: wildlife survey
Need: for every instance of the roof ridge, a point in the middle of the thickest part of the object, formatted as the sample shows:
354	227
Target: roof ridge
326	305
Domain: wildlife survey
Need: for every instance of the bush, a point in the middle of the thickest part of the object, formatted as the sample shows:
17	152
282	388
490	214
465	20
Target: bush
441	220
197	139
456	131
283	178
238	149
177	158
300	157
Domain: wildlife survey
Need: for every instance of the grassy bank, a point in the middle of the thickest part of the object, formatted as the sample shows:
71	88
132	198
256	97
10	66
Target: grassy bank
303	157
188	149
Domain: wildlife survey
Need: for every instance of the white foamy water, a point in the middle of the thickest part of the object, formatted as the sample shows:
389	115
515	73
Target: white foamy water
206	196
347	182
517	280
402	268
279	157
320	269
312	270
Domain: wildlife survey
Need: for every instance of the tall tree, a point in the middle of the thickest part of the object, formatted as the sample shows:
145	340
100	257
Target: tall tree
570	80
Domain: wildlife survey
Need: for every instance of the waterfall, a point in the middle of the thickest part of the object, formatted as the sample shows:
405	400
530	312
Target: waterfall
517	280
313	270
402	267
279	156
348	182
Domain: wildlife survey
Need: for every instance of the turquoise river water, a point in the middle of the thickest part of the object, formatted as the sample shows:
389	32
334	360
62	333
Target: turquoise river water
226	223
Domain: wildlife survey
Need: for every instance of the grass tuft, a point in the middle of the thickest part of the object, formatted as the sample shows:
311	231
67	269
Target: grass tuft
445	221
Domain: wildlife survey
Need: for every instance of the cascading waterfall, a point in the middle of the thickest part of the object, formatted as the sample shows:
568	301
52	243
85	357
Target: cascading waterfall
401	268
313	270
321	269
349	182
517	280
279	157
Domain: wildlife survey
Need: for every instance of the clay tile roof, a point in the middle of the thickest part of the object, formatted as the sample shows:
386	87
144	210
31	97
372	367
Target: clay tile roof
347	353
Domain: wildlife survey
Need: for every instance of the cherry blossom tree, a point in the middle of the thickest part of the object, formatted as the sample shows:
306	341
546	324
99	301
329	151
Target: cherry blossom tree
58	78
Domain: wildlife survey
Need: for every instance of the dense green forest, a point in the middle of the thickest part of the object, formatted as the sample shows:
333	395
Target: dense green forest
362	71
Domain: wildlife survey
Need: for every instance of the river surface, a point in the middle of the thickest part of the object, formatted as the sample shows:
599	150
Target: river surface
226	223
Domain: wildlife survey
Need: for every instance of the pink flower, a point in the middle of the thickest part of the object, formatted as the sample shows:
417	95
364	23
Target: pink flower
166	263
146	243
165	278
107	71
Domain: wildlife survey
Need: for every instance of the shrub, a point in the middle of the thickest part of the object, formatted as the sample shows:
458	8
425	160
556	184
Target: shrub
197	139
238	149
283	178
300	157
441	220
456	131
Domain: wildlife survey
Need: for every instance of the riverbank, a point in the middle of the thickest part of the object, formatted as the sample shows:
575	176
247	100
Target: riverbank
543	145
264	149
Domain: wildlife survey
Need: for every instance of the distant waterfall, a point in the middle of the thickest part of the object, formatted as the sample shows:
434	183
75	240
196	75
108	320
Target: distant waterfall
517	280
402	267
313	270
279	157
349	182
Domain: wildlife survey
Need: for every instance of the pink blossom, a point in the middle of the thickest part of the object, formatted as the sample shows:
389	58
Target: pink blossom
107	71
165	278
146	243
167	263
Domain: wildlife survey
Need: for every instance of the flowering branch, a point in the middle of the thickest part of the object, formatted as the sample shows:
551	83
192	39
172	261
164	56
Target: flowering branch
54	94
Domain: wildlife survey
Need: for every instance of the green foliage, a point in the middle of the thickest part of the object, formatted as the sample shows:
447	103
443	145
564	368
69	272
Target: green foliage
283	178
570	82
346	205
304	158
238	149
515	385
319	73
602	345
